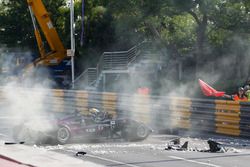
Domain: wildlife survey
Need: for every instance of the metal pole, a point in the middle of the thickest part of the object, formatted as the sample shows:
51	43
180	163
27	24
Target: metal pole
72	32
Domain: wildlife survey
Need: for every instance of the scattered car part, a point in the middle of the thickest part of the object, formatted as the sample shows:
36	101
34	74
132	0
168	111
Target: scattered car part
80	153
213	146
178	147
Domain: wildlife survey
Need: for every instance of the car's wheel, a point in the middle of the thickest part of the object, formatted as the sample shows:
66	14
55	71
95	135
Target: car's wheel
63	135
142	132
135	133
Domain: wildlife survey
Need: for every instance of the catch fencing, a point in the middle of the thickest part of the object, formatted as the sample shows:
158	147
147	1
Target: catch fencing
160	112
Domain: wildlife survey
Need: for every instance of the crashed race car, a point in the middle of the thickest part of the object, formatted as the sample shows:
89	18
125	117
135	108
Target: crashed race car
96	125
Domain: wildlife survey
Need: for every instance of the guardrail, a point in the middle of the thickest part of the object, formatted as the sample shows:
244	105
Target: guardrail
160	112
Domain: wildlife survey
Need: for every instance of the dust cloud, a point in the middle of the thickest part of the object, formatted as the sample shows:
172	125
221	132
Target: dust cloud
24	97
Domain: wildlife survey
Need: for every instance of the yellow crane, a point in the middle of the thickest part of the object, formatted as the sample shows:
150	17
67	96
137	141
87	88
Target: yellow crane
57	52
57	56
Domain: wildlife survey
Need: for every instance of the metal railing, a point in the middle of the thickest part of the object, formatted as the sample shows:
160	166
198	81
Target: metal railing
82	76
86	78
120	60
117	60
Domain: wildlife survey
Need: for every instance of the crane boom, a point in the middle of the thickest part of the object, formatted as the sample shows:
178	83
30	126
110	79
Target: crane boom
56	60
37	35
58	52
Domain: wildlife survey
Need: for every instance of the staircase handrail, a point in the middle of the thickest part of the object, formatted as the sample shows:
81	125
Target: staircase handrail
81	75
130	55
100	63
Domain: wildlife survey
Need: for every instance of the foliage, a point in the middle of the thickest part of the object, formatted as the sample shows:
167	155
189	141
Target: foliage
206	29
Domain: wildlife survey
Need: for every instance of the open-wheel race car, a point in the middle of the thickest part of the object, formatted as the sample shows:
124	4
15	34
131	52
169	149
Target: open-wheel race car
96	125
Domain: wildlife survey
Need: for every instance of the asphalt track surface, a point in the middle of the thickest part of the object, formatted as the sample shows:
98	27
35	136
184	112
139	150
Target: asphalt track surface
151	152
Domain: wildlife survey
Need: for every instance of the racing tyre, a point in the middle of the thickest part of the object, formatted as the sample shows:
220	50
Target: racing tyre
142	132
63	135
136	133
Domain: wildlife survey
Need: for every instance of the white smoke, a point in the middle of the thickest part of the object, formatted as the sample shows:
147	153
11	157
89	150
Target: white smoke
24	97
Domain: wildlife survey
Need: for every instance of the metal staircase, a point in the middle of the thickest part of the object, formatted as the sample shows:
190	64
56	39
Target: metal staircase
115	63
87	78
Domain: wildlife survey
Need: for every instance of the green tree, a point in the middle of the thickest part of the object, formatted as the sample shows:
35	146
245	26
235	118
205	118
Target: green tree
16	24
98	31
